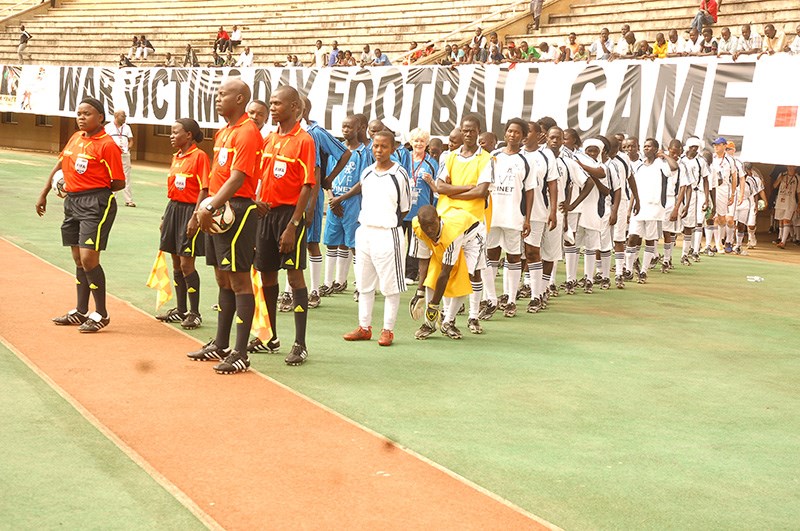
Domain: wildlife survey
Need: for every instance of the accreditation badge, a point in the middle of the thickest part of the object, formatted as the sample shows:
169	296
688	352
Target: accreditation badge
180	182
81	165
279	169
222	157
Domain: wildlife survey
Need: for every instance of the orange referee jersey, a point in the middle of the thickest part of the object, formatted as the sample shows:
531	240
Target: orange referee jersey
287	164
236	147
186	174
91	162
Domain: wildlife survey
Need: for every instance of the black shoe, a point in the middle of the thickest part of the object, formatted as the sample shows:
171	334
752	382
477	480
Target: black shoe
535	306
94	323
313	299
271	346
234	363
502	301
324	291
588	286
285	302
627	275
209	352
488	311
461	310
605	284
297	355
474	325
620	282
172	316
338	288
192	321
72	317
643	277
524	292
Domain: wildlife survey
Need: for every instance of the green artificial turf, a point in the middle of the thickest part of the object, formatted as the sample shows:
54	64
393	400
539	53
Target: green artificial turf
59	472
667	406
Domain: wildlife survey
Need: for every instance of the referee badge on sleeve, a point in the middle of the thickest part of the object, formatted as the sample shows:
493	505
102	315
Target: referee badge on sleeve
81	164
279	169
222	157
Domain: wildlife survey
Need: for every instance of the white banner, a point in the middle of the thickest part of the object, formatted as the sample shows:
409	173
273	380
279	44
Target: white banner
753	103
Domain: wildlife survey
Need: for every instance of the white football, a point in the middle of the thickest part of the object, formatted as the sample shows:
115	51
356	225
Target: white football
222	218
59	187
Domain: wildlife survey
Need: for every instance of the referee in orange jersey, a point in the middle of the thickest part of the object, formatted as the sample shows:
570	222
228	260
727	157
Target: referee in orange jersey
233	178
92	166
287	171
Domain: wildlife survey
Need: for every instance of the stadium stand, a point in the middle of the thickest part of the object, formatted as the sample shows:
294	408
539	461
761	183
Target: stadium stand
83	32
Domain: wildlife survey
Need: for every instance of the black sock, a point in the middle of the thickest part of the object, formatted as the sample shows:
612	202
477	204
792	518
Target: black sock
82	284
193	290
300	299
227	309
245	308
271	298
180	289
97	283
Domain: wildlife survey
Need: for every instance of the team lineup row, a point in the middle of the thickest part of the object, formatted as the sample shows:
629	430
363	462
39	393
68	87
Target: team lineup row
542	197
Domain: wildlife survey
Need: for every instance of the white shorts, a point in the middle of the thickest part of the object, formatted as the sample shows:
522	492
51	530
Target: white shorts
380	259
417	249
606	243
743	213
690	220
474	247
553	243
587	238
672	226
647	229
751	216
619	232
510	240
534	238
721	201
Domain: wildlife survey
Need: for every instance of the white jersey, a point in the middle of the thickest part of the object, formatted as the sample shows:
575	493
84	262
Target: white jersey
513	176
787	194
616	181
722	172
651	183
624	169
751	184
385	197
696	171
675	181
544	167
120	134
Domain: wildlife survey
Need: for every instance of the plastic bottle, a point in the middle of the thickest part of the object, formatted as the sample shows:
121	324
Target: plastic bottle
752	278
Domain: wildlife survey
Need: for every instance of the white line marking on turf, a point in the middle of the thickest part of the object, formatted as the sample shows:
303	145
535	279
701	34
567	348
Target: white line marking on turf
310	400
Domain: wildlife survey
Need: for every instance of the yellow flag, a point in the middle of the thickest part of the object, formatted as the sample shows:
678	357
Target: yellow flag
159	280
261	328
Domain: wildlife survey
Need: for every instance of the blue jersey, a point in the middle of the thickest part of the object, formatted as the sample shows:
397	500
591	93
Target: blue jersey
329	149
350	175
421	193
402	156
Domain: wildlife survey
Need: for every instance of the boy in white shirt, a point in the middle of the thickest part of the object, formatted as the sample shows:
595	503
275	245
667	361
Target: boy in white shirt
697	175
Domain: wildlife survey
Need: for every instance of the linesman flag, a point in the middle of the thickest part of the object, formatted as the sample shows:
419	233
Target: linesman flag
159	280
261	327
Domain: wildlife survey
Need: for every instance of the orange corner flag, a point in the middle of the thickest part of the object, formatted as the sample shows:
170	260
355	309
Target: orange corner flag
261	328
159	280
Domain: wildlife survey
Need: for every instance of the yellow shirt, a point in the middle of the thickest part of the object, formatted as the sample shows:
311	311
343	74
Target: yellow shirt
466	171
660	51
454	223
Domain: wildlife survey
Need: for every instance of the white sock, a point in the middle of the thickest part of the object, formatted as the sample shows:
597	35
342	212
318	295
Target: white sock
739	239
343	265
630	257
668	251
366	301
454	304
784	233
649	254
709	232
505	276
513	272
391	305
315	271
535	269
331	260
489	276
619	263
475	300
589	261
526	278
287	288
730	235
428	295
687	245
751	237
697	236
605	264
571	260
553	274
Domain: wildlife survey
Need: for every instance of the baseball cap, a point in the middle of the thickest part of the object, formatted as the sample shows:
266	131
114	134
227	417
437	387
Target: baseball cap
719	140
731	144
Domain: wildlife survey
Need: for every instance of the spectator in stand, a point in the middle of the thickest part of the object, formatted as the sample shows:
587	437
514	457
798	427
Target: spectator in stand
169	61
24	37
216	59
447	60
676	46
463	55
706	16
774	40
430	49
749	43
333	57
296	61
245	58
564	53
223	41
495	49
573	44
512	52
236	38
624	31
603	46
644	50
190	57
134	47
124	62
229	60
660	47
548	53
145	48
708	44
348	59
320	57
528	53
536	12
366	57
381	59
415	54
693	43
794	47
477	47
726	45
581	54
626	47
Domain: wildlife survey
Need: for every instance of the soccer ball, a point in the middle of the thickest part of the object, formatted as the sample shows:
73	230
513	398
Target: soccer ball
59	187
222	218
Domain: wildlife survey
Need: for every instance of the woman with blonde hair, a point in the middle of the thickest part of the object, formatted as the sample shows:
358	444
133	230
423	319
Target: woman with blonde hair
423	174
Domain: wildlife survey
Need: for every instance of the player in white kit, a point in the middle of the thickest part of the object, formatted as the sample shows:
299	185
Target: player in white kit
678	197
786	204
620	165
723	172
697	174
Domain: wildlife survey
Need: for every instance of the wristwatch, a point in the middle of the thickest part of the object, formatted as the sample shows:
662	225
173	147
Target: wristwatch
210	208
295	223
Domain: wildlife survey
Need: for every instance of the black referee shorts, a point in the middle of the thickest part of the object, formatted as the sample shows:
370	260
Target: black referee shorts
88	217
233	250
173	231
270	228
